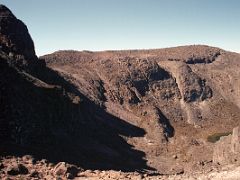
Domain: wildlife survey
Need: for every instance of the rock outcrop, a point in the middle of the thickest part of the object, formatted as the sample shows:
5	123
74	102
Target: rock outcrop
227	149
15	40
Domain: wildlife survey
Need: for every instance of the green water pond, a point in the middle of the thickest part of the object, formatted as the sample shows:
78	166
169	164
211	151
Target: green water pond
216	136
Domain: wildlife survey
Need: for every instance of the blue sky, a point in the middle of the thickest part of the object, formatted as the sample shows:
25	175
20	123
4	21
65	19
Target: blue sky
129	24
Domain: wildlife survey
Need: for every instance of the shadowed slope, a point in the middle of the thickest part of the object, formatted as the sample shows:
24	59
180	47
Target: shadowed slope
44	115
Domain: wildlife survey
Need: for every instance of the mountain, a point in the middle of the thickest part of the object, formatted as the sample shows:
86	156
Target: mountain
180	96
45	115
152	111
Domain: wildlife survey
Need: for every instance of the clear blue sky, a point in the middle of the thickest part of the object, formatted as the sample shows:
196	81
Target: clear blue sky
129	24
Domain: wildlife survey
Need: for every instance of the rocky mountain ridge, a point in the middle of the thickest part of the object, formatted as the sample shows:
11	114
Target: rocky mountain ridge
177	95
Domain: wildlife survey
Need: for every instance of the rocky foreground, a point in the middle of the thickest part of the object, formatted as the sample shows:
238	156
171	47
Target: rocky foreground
137	114
27	167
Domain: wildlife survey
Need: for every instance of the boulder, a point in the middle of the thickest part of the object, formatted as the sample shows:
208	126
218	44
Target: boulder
29	159
16	169
64	169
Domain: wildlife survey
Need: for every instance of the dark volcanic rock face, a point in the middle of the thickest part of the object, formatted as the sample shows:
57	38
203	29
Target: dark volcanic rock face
194	87
14	37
